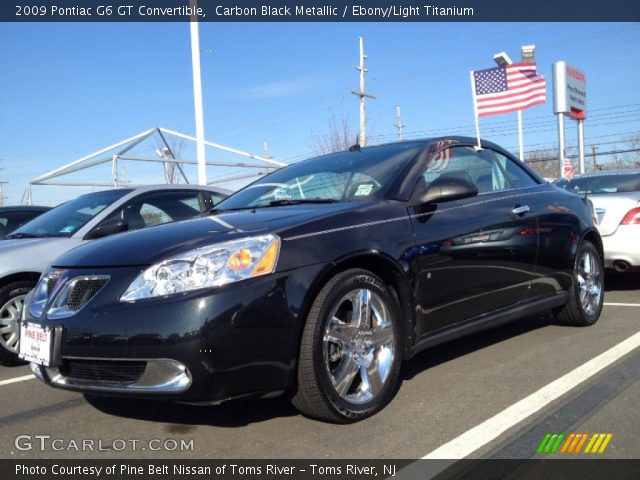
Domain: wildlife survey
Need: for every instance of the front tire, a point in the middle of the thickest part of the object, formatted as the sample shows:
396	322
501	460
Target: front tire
351	349
586	294
11	303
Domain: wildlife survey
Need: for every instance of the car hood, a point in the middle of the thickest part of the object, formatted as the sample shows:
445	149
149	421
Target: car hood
32	254
151	245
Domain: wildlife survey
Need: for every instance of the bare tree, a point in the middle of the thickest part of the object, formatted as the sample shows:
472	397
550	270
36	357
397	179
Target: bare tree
339	137
545	162
634	157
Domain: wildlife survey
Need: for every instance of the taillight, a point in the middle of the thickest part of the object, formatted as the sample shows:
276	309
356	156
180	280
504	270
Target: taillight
632	217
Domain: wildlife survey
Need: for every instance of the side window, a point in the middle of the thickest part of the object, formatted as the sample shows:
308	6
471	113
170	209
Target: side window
152	215
208	200
487	169
157	208
516	176
477	167
193	202
13	220
214	199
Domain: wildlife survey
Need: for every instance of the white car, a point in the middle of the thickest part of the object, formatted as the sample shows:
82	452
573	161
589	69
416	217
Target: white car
27	252
615	195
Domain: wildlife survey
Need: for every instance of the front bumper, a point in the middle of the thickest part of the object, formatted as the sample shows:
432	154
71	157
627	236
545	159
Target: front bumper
208	346
153	375
623	245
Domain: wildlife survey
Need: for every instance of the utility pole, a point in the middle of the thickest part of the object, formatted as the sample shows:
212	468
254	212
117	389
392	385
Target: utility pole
2	184
361	93
265	146
265	153
399	125
594	149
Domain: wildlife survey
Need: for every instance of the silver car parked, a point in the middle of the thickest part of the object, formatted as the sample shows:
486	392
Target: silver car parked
27	252
615	195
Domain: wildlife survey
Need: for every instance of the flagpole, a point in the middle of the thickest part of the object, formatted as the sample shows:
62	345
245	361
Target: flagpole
475	108
520	140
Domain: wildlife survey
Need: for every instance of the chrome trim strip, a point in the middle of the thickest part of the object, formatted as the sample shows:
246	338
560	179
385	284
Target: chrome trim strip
57	313
162	375
436	212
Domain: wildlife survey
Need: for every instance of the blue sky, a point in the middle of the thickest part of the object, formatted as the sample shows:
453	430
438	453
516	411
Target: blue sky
69	89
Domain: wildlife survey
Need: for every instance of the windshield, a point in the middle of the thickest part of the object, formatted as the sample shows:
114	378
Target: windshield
346	176
68	218
613	183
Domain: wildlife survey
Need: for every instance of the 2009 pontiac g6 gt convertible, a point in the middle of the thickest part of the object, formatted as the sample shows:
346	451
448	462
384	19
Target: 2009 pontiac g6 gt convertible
318	280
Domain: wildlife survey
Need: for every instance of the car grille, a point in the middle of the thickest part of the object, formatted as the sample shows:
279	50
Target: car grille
83	291
104	372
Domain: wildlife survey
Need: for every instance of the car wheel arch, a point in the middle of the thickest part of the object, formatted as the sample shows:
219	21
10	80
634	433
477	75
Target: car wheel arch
594	237
20	277
380	264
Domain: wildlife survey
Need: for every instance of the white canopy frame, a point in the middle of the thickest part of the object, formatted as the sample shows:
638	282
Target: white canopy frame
257	164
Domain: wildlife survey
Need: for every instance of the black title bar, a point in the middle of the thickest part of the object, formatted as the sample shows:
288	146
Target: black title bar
339	469
318	11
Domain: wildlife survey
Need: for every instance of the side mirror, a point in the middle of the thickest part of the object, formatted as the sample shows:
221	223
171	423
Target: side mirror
446	189
108	228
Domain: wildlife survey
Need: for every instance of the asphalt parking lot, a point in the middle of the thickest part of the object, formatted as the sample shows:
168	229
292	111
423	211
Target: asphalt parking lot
450	397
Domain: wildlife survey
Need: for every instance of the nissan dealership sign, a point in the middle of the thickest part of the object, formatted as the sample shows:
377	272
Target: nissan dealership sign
569	90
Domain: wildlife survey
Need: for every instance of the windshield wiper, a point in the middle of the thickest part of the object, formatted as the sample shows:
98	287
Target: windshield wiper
275	203
215	210
290	201
24	235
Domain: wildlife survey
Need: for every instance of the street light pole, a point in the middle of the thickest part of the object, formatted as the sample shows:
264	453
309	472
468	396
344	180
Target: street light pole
501	60
197	96
527	54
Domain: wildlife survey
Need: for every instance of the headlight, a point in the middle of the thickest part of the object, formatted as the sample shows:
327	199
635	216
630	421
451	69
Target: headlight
207	267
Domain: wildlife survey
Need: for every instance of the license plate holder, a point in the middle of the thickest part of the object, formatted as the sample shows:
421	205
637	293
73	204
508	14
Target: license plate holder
36	343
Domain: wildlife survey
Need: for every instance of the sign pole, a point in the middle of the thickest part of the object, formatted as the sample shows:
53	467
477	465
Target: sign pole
581	143
569	98
561	143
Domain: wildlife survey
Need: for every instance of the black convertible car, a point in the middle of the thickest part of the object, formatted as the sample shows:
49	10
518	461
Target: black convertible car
318	280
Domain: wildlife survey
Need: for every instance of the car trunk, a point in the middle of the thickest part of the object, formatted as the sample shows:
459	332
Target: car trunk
611	209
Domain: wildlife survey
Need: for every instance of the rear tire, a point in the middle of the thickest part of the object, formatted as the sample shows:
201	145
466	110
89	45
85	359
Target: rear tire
11	302
586	294
351	349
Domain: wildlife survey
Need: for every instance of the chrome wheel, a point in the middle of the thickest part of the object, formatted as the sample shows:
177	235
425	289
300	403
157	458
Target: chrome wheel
359	346
9	323
589	276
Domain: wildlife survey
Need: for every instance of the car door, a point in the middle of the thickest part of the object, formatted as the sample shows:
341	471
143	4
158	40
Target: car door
476	255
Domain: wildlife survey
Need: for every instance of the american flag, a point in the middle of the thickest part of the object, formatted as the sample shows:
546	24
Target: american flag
567	168
440	160
508	88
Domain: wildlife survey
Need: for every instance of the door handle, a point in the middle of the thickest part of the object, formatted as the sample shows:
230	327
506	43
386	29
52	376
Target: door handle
520	210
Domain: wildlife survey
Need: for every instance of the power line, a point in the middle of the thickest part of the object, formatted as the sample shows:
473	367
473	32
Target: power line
611	152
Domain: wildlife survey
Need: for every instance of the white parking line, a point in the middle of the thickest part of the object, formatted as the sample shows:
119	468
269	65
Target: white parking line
480	435
16	380
622	304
